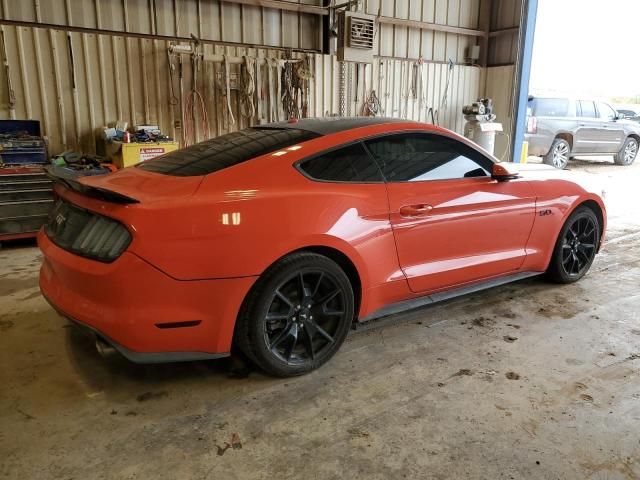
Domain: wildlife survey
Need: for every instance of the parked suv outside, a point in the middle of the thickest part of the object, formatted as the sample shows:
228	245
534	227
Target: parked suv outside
560	128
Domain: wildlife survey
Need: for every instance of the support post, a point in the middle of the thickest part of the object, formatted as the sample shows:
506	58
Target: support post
523	74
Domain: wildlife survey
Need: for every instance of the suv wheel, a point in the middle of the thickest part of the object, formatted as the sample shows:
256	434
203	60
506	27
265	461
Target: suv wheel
628	152
558	155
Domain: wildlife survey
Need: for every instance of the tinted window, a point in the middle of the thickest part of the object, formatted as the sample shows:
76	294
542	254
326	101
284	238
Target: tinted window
588	109
606	112
224	151
627	113
419	157
349	164
551	107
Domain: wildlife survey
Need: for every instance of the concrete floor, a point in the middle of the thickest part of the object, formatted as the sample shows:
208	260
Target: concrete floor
530	380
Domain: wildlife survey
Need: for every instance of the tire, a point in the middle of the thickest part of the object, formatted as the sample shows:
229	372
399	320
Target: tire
559	154
628	152
575	247
303	331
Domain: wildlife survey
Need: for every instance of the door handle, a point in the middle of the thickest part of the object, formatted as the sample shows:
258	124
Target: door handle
418	210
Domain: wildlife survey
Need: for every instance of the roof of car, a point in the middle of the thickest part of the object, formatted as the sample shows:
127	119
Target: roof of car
329	125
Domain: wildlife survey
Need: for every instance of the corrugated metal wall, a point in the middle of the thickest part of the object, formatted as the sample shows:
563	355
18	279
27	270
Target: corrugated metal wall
76	82
211	20
505	19
400	41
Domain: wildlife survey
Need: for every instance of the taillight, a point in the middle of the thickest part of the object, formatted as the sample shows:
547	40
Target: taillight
532	125
87	234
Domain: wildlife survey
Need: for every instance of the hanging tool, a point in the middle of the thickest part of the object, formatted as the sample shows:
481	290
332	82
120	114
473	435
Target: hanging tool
289	87
181	86
173	100
247	87
372	106
227	94
10	90
260	93
304	74
280	107
445	94
273	108
195	100
355	100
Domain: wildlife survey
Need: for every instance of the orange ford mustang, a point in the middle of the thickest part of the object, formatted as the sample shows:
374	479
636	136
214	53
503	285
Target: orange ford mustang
278	237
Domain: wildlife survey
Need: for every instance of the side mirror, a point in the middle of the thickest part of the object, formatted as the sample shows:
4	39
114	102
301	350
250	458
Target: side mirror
504	171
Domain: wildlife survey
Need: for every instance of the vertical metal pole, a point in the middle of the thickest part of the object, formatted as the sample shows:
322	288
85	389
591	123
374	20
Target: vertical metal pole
523	74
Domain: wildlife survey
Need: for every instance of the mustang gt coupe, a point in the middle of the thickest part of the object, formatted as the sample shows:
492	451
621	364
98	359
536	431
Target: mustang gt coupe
275	239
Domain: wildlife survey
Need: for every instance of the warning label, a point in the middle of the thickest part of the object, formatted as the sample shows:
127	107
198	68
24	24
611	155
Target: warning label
149	153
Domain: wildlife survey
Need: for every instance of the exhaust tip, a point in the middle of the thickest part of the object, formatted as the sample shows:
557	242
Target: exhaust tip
103	348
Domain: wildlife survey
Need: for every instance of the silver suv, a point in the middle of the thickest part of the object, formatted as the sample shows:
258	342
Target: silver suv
560	128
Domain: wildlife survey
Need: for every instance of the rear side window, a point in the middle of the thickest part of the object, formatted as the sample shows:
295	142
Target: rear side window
348	164
550	107
225	151
420	157
587	108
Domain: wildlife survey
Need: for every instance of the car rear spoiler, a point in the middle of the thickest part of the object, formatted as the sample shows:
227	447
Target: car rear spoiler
70	181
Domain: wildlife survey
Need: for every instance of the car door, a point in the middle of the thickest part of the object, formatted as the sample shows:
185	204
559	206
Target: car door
589	130
451	221
612	133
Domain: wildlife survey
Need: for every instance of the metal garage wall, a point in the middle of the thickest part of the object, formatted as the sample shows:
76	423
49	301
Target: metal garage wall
505	23
76	82
401	41
212	20
399	95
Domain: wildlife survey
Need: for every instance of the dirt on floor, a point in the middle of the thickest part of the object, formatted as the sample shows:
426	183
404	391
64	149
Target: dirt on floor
529	380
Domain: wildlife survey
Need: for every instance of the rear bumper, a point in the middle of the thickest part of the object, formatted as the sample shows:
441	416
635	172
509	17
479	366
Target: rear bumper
539	145
143	313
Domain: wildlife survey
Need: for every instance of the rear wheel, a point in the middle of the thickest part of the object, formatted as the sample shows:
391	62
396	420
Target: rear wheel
559	153
628	152
297	315
576	247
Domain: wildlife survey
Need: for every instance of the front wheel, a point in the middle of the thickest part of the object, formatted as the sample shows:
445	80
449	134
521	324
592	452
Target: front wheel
576	247
297	316
628	152
559	153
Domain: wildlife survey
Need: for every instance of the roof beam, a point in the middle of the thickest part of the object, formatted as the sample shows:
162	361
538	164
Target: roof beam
436	27
283	5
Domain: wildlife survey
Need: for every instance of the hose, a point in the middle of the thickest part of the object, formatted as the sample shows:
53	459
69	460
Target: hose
248	87
372	106
289	92
194	101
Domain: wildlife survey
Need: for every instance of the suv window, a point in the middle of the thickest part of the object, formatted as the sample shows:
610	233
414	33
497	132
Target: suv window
550	107
418	157
225	151
606	112
588	109
347	164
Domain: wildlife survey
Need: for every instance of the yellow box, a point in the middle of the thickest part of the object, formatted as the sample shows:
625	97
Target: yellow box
126	154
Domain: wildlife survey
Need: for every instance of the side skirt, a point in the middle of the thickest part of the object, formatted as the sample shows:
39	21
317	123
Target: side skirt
380	316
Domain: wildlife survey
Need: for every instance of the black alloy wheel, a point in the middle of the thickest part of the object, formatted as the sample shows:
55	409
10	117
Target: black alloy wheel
304	317
576	247
297	315
579	246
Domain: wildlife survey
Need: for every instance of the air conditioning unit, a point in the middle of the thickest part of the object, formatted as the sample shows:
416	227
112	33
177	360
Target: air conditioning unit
357	39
